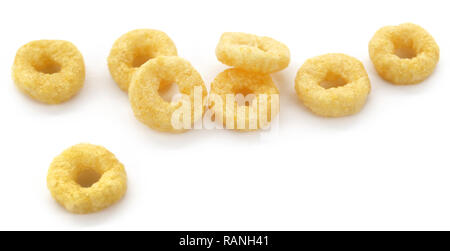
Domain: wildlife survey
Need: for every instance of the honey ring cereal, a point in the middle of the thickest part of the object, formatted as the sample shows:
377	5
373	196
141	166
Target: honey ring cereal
147	104
333	85
50	71
135	48
233	82
404	54
86	178
252	53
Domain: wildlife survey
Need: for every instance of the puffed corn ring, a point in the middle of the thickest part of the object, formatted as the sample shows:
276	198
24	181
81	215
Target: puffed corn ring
252	53
147	104
404	54
86	178
135	48
50	71
333	85
233	82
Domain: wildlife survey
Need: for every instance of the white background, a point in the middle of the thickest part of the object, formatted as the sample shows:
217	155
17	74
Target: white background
384	168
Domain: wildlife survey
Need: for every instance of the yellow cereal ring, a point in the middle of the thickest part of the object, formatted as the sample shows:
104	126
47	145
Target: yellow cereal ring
252	53
149	107
135	48
86	178
50	71
404	54
333	85
233	82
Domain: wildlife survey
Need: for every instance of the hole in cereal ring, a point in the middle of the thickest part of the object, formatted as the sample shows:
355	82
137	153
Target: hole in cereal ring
244	96
244	91
333	80
404	47
263	47
405	52
141	55
88	177
47	65
168	91
254	44
141	59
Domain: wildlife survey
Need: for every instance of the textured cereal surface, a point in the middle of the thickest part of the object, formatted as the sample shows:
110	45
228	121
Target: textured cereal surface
337	101
133	49
63	172
404	71
50	71
147	104
236	81
252	53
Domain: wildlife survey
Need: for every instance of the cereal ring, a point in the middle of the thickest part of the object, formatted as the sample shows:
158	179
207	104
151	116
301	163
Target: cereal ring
235	82
404	54
333	85
86	178
149	107
135	48
252	53
50	71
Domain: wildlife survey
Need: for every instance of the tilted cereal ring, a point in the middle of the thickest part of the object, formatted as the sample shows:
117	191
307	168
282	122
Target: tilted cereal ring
252	53
333	85
50	71
135	48
150	108
86	178
233	82
404	54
